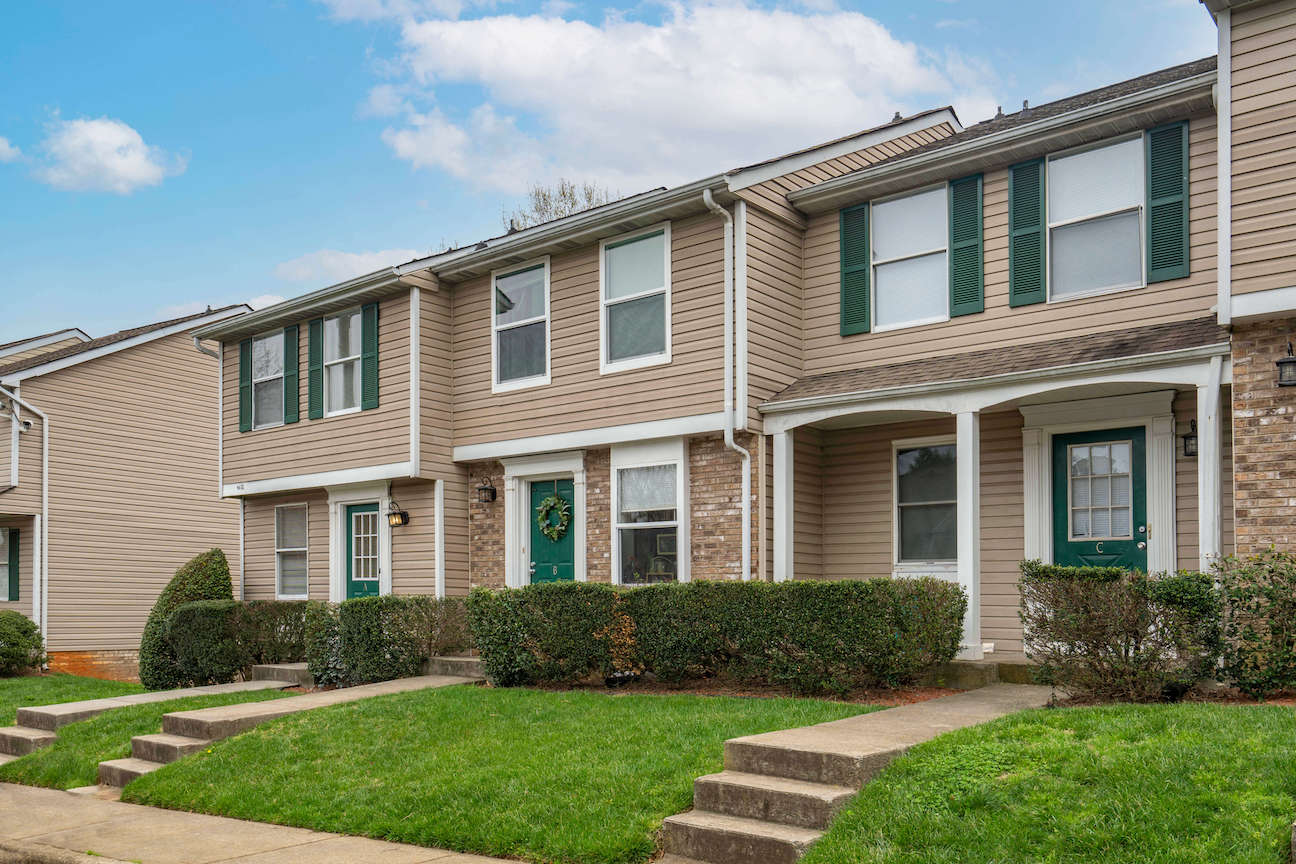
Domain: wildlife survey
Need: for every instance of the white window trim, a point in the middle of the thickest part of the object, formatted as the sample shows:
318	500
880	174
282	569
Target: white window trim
1049	225
328	412
647	455
519	472
940	566
305	507
339	497
498	386
874	263
255	380
606	366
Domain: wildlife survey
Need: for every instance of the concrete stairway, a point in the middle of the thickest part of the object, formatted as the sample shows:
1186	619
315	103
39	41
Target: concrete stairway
453	664
294	672
779	790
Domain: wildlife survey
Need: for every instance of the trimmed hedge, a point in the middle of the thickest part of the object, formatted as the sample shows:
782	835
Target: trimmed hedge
204	577
369	639
1109	633
204	637
1260	629
21	645
813	637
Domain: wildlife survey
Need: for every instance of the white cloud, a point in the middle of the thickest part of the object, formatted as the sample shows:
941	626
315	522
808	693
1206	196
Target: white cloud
330	265
263	300
635	105
183	310
378	10
103	155
8	152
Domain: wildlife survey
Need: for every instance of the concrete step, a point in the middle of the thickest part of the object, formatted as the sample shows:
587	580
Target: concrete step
165	748
464	667
677	859
297	673
54	717
119	772
6	758
21	740
772	799
722	839
815	766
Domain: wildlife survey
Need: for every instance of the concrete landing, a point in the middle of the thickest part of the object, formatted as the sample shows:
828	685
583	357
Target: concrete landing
52	717
295	672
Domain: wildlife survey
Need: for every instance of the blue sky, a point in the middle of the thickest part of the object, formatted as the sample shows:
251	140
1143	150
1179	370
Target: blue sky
157	157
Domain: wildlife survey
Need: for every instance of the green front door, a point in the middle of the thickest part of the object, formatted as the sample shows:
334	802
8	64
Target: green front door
1100	498
362	550
552	560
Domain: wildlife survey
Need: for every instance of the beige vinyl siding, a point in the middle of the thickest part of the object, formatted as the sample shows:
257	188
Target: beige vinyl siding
771	194
774	314
1264	147
1186	524
379	436
133	486
999	325
1003	533
26	539
807	503
259	544
6	359
26	496
578	397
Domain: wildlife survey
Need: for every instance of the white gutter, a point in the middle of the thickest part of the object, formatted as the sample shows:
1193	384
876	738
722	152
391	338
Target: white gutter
740	305
711	204
1224	170
416	382
220	419
40	573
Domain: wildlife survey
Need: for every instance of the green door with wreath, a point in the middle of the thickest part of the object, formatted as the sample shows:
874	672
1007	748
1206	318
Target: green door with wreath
553	546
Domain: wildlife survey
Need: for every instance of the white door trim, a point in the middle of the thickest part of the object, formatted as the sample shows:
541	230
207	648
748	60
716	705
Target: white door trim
339	498
518	474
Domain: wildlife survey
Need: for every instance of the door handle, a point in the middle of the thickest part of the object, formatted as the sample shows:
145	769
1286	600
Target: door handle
1142	545
532	570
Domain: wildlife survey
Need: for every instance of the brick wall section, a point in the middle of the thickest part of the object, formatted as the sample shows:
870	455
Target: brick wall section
112	665
485	527
1264	439
598	515
715	499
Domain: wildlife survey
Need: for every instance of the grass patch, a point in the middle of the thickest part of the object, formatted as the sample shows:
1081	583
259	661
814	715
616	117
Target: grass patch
1151	784
73	759
31	690
547	776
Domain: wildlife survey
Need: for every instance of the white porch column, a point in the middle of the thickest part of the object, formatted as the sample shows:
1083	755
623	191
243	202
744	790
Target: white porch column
512	562
783	509
1209	457
969	529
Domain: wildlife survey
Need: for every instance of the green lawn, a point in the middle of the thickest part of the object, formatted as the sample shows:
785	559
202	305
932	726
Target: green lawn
73	759
546	776
1150	784
33	690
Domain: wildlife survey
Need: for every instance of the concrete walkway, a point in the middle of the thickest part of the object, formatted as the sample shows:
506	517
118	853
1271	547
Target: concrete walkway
46	824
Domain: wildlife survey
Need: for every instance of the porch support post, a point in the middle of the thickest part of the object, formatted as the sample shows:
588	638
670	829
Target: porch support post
512	560
1209	457
969	529
783	509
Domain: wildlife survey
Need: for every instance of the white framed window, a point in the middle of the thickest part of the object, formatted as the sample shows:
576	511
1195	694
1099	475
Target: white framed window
926	501
910	259
1095	205
520	327
291	556
649	513
268	380
342	363
634	300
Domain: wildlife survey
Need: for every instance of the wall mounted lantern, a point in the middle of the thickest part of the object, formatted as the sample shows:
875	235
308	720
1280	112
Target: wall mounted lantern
486	491
1287	369
1190	441
396	517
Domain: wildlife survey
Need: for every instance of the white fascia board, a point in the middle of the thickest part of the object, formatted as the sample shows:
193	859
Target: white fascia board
1273	303
40	342
142	339
341	477
760	173
695	424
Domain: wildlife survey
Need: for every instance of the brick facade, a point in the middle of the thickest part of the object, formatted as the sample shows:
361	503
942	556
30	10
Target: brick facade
486	527
112	665
1264	439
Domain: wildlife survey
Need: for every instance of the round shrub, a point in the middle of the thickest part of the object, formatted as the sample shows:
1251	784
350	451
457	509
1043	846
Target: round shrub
21	645
205	577
205	638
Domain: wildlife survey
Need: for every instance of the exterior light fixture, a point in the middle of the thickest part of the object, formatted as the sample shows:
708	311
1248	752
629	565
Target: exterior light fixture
486	491
396	517
1287	369
1190	441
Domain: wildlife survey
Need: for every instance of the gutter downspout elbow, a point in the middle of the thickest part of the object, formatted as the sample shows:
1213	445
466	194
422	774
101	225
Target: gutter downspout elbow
709	200
202	349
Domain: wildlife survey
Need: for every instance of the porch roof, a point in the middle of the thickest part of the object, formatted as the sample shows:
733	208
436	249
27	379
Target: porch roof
974	366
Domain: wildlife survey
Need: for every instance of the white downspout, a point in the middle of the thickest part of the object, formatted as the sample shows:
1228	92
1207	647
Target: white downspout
1224	170
711	204
40	575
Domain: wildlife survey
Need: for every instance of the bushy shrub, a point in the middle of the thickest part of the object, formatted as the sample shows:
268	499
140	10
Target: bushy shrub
273	631
21	645
323	641
205	577
381	639
691	630
1260	644
206	639
1109	633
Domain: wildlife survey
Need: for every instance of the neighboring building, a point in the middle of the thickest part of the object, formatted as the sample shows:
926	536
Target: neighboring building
922	349
108	482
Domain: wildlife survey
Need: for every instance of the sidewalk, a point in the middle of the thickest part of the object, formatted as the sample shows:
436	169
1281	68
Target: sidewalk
48	823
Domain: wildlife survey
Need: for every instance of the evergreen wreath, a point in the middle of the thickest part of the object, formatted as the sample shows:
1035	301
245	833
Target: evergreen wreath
553	530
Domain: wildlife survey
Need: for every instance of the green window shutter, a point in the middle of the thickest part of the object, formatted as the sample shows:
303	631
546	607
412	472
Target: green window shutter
245	385
855	317
369	356
292	388
1027	262
13	565
315	369
1166	149
967	282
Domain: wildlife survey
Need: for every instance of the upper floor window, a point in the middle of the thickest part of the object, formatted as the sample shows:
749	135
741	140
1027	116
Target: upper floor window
910	260
635	300
342	341
1095	220
268	380
520	327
